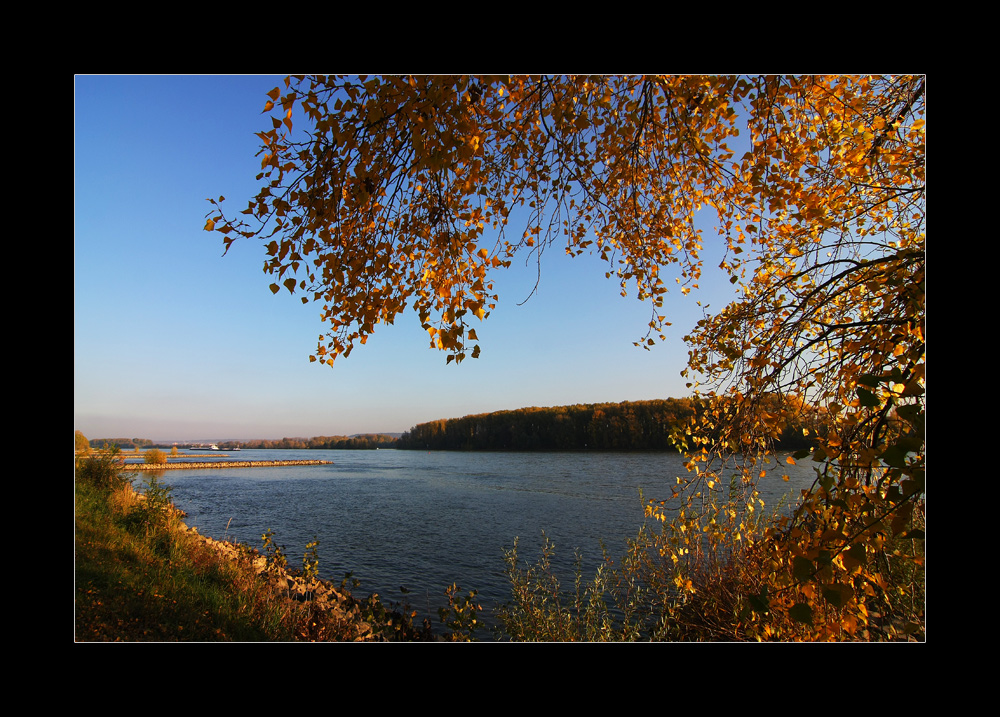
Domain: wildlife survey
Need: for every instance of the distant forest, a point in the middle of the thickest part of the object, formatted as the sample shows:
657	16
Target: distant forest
638	425
627	426
125	443
360	442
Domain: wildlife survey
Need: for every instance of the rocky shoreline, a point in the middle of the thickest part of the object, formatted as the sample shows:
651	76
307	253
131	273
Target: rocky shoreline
333	612
219	464
341	610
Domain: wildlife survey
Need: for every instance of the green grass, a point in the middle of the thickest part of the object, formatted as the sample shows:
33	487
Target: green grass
138	582
141	575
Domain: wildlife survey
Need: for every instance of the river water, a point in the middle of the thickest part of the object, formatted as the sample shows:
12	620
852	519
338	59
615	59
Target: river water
422	521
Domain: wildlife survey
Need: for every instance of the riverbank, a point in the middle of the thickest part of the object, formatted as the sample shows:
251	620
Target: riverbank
143	575
326	612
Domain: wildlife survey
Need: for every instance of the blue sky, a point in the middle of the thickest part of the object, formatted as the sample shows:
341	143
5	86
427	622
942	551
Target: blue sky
175	342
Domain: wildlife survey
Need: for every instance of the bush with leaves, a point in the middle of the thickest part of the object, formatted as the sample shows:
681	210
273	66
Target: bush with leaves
542	609
104	469
461	616
154	511
154	456
274	553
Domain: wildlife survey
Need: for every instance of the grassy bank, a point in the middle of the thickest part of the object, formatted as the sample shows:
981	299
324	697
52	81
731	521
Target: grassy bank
139	582
142	576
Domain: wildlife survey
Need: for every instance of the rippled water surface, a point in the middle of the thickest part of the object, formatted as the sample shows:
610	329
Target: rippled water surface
426	520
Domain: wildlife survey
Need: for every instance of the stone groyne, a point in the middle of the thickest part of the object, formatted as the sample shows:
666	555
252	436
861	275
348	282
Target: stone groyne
191	465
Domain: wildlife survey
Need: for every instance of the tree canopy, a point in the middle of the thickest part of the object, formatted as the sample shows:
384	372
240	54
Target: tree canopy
402	191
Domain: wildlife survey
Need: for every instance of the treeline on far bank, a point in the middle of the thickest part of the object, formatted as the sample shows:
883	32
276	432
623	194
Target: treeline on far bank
123	443
366	441
630	425
359	442
653	425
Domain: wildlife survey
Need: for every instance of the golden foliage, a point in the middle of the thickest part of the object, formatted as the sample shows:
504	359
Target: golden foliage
403	189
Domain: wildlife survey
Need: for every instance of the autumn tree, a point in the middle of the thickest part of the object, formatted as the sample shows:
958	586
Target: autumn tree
830	317
81	442
412	191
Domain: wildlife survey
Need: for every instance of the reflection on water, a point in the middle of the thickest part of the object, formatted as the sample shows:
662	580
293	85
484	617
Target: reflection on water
426	520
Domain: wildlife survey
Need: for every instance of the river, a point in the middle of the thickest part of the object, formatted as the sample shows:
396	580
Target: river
422	521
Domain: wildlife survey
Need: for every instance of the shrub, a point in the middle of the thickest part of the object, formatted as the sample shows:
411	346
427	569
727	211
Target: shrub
155	456
275	554
152	513
104	469
615	606
310	561
460	617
